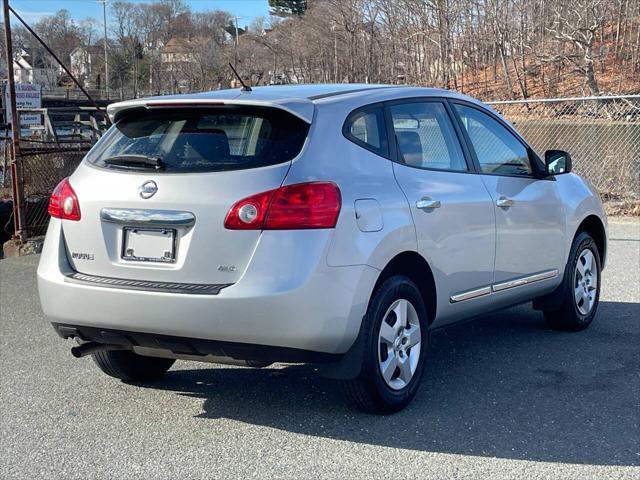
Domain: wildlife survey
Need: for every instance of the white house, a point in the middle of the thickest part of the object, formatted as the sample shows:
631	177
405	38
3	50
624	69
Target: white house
28	70
87	65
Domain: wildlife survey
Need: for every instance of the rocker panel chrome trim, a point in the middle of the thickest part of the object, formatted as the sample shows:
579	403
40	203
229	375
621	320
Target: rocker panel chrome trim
525	280
498	287
478	292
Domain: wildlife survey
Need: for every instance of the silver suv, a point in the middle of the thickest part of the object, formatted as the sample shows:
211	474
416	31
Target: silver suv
326	224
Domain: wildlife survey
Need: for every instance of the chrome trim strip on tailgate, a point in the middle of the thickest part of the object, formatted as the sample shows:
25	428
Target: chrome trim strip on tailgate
525	280
479	292
138	216
165	287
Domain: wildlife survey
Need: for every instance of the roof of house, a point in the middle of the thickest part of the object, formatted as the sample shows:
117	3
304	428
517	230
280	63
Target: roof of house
182	44
299	99
22	63
25	62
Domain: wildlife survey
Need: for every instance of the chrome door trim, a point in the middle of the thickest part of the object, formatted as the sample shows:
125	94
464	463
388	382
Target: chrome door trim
498	287
478	292
139	216
517	282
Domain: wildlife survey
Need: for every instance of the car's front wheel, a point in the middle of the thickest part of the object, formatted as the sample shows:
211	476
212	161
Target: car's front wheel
126	365
395	347
580	291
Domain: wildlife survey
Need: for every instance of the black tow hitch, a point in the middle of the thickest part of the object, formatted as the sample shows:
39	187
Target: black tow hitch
88	348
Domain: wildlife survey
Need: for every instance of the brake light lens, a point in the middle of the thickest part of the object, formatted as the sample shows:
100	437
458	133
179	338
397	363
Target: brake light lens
64	202
292	207
305	205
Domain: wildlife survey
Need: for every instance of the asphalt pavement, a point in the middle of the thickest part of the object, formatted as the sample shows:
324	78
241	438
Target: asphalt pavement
503	397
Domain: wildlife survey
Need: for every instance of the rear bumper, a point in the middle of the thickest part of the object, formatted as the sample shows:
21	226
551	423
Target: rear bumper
315	308
194	346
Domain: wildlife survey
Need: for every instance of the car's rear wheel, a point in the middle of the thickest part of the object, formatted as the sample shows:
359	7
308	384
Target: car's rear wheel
126	365
580	291
395	346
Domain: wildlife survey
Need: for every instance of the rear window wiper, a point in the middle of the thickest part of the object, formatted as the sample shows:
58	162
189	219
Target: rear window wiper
135	161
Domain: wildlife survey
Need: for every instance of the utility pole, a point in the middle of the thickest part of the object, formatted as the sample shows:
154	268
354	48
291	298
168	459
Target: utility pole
106	55
16	161
235	63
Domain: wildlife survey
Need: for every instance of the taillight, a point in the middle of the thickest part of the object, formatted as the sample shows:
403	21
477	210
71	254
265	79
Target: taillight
249	214
64	202
305	205
292	207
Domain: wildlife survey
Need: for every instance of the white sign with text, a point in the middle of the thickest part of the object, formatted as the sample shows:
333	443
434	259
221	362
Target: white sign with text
27	96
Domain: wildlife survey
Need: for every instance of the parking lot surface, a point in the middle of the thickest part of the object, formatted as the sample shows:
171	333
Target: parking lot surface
503	397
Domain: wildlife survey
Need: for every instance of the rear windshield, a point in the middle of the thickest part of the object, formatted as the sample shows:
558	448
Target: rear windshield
202	140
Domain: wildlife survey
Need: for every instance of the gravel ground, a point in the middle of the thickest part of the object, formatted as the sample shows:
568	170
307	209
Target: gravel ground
504	397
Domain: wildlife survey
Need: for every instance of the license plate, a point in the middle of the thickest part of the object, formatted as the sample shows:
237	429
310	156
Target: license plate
149	244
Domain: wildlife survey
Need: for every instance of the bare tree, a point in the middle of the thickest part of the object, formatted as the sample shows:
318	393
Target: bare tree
488	48
578	26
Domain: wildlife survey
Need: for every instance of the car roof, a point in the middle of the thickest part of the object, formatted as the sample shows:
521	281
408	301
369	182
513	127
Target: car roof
298	99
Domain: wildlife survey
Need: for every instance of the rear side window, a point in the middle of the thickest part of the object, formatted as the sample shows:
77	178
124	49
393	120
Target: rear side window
366	127
204	140
425	136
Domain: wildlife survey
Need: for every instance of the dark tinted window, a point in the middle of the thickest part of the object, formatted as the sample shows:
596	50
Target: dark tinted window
197	140
497	149
366	128
425	136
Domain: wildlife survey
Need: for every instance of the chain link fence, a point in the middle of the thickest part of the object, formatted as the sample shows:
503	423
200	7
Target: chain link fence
44	164
601	133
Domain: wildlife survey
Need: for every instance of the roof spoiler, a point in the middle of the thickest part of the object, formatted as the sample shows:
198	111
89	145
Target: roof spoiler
300	107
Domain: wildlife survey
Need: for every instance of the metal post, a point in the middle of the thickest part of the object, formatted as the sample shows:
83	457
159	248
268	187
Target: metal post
106	55
17	179
235	61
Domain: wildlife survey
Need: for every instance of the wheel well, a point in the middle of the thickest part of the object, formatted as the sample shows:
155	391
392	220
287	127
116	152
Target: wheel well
414	266
594	227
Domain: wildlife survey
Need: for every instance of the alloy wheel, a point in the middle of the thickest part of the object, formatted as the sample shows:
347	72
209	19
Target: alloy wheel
585	282
399	344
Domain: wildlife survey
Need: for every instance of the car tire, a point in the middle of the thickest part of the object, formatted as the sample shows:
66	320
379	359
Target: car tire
372	391
580	290
128	366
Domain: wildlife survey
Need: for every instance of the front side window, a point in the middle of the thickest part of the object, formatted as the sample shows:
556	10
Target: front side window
203	139
425	136
366	128
498	150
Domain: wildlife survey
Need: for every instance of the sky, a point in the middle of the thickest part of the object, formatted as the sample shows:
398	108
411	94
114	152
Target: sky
32	10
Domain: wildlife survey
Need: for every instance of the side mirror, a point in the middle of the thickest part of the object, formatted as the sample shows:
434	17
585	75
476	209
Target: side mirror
557	162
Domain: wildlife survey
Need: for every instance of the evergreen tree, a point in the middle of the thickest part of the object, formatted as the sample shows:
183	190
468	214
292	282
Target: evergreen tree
287	8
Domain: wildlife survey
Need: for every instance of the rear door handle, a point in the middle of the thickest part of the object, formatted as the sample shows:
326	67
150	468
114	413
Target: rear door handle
428	203
504	202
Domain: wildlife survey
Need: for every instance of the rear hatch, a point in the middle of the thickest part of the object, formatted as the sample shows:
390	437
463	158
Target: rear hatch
155	190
